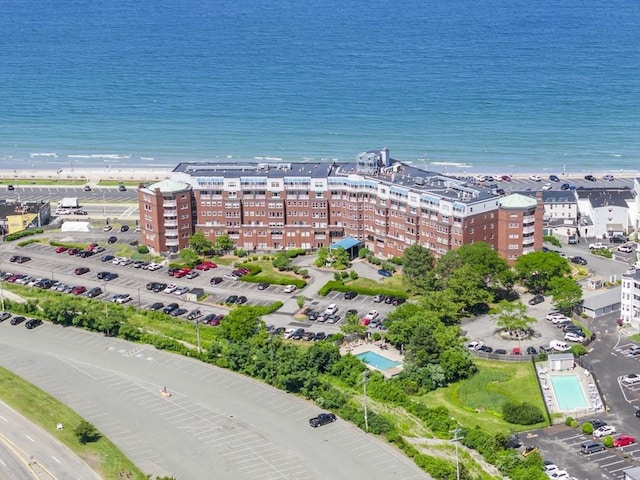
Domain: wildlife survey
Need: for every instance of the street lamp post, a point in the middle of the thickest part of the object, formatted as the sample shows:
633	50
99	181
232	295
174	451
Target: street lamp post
2	296
365	379
455	440
198	333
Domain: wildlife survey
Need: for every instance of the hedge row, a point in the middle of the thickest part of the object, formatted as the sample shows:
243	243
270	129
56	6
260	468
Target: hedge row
23	233
341	287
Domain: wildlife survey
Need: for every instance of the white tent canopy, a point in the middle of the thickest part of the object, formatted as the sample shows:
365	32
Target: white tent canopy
75	227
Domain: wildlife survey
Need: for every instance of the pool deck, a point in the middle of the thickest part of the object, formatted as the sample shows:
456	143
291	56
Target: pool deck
379	347
594	402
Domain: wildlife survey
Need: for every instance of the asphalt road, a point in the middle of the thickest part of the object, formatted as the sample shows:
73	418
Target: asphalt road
27	452
215	424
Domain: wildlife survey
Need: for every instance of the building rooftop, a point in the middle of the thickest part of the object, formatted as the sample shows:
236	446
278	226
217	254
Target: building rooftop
403	176
517	200
606	196
168	186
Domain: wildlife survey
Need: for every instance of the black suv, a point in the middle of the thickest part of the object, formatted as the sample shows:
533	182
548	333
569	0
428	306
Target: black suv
322	419
94	292
536	300
170	308
578	260
112	240
350	295
33	323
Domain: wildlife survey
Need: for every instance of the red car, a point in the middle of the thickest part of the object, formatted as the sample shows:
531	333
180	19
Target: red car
623	441
206	266
78	290
365	321
72	251
181	273
61	249
91	247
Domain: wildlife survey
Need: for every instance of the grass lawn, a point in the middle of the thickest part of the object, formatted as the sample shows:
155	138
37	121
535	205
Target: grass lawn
44	410
478	400
44	181
270	274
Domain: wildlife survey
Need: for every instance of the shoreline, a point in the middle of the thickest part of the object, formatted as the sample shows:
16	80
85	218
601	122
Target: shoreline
128	174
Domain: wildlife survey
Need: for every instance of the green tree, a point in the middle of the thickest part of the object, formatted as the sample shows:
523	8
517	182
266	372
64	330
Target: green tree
241	324
188	256
445	304
300	300
512	316
363	252
467	286
339	258
281	261
323	256
536	269
86	432
200	243
223	244
418	264
351	325
566	293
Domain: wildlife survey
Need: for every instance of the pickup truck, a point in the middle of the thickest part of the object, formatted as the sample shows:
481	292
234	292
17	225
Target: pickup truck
322	419
597	246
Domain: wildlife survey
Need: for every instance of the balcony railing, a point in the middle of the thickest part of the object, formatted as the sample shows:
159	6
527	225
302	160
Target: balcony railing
170	204
171	223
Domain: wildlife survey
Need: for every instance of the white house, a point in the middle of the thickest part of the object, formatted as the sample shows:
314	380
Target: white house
605	212
630	298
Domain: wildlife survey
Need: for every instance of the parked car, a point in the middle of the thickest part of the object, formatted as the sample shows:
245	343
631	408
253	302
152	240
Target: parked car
331	309
193	314
79	290
94	292
475	345
350	295
631	379
107	258
372	314
322	419
231	276
500	351
170	288
536	299
535	178
532	351
626	249
204	266
623	441
590	178
608	178
124	228
159	287
263	286
597	246
483	348
290	289
81	270
554	178
604	431
231	299
4	316
17	320
578	260
597	423
112	240
573	337
61	249
590	447
215	280
241	300
33	323
378	298
156	306
565	186
385	273
170	308
181	290
122	188
107	228
547	186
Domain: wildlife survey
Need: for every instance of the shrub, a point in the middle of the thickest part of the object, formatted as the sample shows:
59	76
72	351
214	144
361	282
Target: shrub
86	432
608	441
578	350
587	428
143	249
339	286
295	252
568	421
28	242
373	260
552	240
23	233
363	252
396	260
240	252
521	413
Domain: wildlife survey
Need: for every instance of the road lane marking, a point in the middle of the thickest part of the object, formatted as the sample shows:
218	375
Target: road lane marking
29	437
3	464
1	417
56	459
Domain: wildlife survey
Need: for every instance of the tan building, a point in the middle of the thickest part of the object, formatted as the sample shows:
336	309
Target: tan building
166	215
383	203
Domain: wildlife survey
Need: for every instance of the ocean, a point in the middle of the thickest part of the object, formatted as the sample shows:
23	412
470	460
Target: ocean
467	85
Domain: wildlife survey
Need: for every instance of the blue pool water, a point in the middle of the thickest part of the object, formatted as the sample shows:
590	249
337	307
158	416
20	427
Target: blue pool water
377	361
568	391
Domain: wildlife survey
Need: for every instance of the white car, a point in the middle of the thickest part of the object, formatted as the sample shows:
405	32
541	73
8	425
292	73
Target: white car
372	314
558	475
552	315
171	288
480	178
597	246
633	351
181	290
475	345
331	309
289	332
604	431
626	248
573	337
290	289
535	178
547	186
123	298
230	276
631	379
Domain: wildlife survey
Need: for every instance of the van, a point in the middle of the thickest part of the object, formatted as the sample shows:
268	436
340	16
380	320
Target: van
591	447
559	346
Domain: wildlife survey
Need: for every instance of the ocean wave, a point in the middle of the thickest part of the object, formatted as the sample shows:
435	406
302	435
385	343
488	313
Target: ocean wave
102	155
53	155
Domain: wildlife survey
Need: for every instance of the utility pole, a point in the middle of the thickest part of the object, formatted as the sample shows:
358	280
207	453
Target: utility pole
198	333
2	296
455	440
365	379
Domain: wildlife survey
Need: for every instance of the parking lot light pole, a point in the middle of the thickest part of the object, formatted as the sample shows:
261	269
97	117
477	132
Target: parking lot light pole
455	440
365	379
198	333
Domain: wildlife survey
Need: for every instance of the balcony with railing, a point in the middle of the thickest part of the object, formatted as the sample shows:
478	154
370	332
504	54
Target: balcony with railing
526	219
170	213
171	224
170	204
529	230
172	242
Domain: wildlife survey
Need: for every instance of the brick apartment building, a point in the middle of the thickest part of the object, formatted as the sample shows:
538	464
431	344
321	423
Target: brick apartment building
383	203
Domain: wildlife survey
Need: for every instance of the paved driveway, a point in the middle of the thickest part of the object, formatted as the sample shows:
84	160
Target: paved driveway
216	424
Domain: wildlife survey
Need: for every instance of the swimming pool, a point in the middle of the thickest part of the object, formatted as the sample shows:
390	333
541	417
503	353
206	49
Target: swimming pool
377	361
568	391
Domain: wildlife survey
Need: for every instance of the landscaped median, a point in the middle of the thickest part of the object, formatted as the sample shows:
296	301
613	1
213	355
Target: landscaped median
45	411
